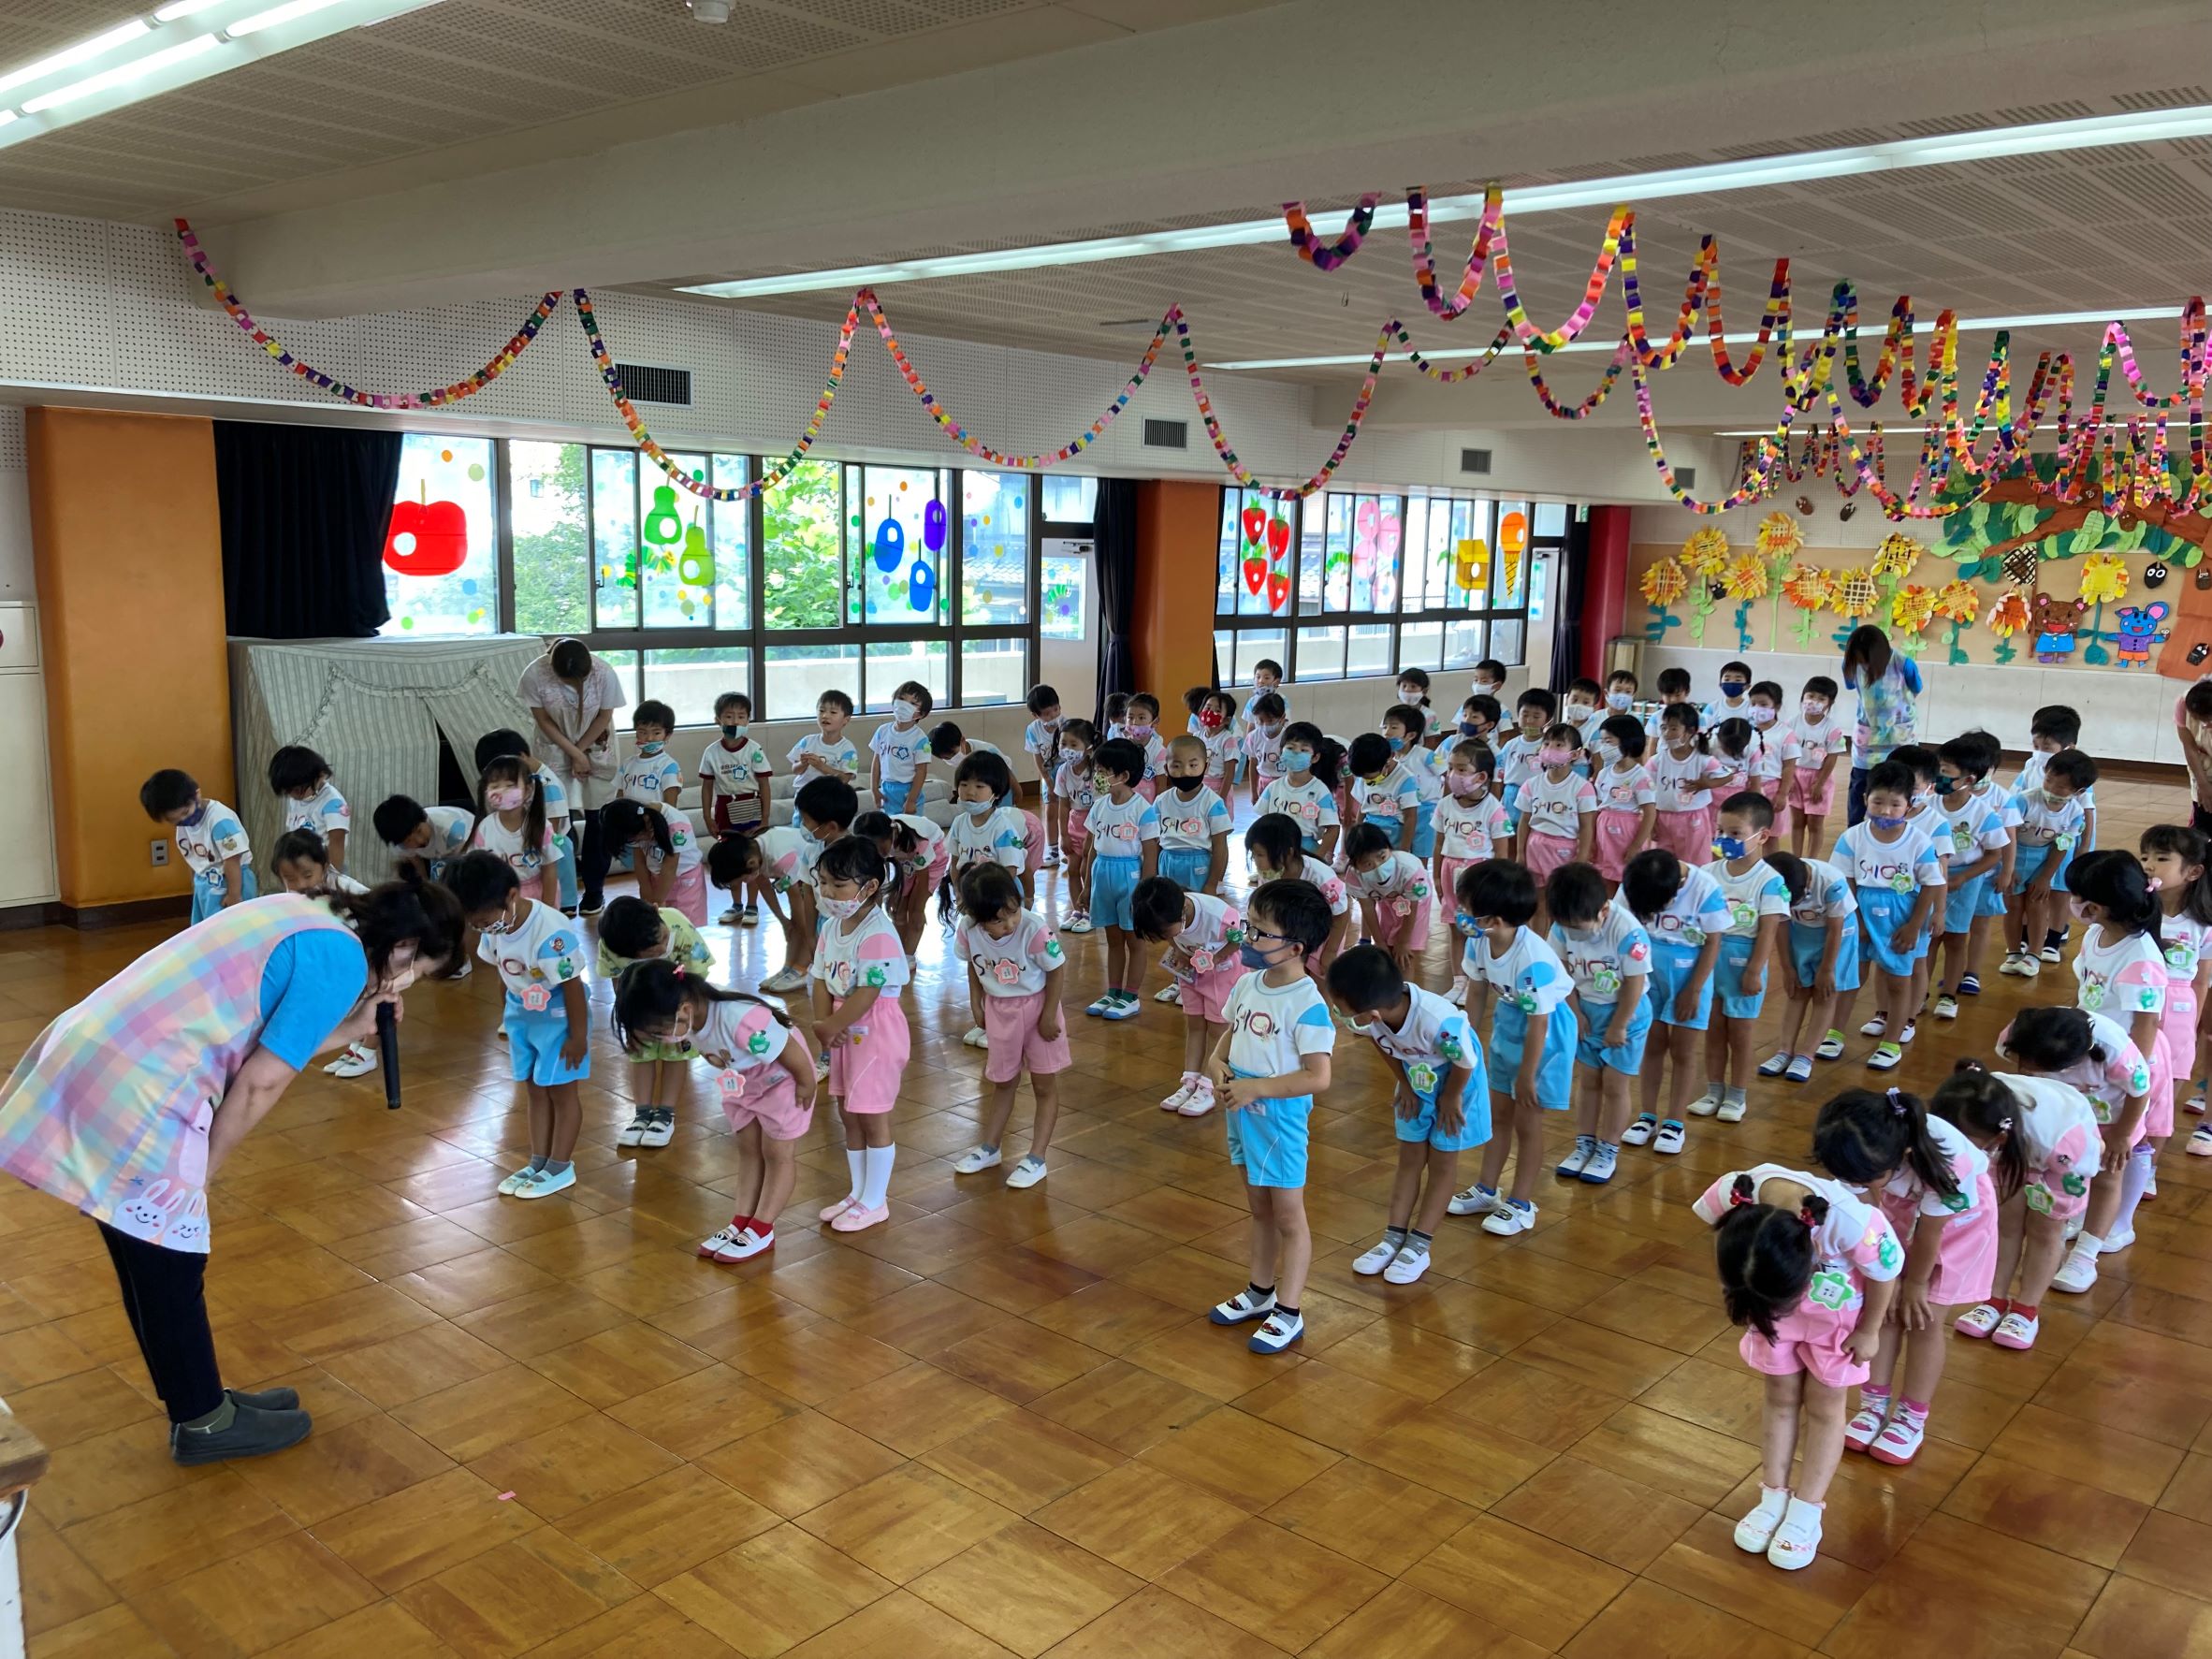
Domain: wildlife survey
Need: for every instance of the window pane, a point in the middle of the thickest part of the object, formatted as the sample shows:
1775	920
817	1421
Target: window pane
1464	644
1473	520
624	663
1258	565
898	561
993	671
688	681
1509	565
891	664
733	545
1067	499
614	538
994	549
672	528
440	560
1067	581
1228	559
803	571
1552	519
552	558
1509	642
1261	642
798	674
1414	560
1225	656
1368	650
1420	645
1391	533
1320	653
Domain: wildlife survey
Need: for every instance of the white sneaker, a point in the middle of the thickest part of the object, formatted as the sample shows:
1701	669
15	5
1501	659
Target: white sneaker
2030	967
1026	1174
2078	1272
1169	993
728	919
2118	1241
356	1062
1200	1101
789	979
1732	1110
464	971
1906	1034
1639	1133
1604	1159
2052	953
1671	1137
1796	1540
634	1131
1477	1200
1370	1262
1078	921
1876	1027
1276	1334
662	1130
1242	1307
1183	1091
2200	1142
1457	995
1756	1530
1705	1105
2013	965
1578	1159
1051	860
976	1159
1407	1266
734	1243
515	1182
976	1037
1512	1218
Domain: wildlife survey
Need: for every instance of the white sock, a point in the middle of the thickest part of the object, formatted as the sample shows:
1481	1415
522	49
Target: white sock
877	1179
856	1163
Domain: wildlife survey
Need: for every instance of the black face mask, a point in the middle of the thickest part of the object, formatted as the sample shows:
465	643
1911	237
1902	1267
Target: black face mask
1188	786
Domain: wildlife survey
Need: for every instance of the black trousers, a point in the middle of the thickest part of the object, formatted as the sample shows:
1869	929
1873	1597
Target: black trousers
2199	819
592	858
163	1297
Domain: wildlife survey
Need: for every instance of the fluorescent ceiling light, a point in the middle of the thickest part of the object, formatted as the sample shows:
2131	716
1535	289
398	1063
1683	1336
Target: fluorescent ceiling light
122	34
145	57
1945	149
1867	329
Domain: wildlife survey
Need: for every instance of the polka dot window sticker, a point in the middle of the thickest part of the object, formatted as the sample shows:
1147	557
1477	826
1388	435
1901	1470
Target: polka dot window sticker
446	455
476	472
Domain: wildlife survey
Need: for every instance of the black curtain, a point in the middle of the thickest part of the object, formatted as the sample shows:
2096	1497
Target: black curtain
1566	625
304	512
1115	535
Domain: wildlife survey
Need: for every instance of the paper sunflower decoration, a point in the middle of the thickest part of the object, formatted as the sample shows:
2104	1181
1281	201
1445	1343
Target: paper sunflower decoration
1779	535
1811	587
1745	577
1666	581
1912	606
1897	555
1704	553
1957	601
2103	578
1856	596
2010	615
2021	566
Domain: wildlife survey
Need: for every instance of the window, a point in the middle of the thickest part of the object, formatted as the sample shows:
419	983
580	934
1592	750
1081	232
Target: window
1376	581
994	548
803	561
1069	499
552	545
1064	587
441	564
899	566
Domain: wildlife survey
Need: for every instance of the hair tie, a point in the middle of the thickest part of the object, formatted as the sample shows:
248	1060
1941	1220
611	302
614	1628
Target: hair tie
1897	1104
680	969
1808	1218
1739	1197
2004	1126
2152	884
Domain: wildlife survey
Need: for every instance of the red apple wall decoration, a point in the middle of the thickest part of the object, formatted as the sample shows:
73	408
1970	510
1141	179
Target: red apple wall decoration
427	538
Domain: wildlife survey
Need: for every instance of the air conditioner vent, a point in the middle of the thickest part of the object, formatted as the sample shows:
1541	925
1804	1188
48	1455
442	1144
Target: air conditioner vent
1167	434
647	385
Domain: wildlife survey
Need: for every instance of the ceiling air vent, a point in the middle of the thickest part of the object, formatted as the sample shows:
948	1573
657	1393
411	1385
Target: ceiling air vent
1686	477
1475	460
1167	434
646	385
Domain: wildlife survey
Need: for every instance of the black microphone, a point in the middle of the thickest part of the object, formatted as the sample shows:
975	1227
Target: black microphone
388	1051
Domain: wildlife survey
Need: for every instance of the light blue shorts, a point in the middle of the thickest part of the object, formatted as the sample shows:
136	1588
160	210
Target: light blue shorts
1474	1121
1555	1068
1185	866
1807	945
2066	862
207	891
1269	1143
2028	863
1729	975
1113	880
1881	914
1962	904
892	797
1671	967
1592	1049
1424	831
534	1042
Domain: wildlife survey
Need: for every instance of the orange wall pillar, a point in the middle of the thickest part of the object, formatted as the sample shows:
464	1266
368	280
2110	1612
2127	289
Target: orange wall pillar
1172	622
127	544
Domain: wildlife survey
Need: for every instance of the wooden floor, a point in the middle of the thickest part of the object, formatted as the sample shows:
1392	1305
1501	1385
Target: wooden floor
1002	1423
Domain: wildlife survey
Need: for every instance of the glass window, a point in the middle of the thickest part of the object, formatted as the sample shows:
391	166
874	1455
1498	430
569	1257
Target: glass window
440	552
1258	643
733	545
994	549
1465	644
1508	641
1320	653
802	554
798	674
1253	574
614	538
674	550
1066	578
689	680
1067	499
902	537
1367	650
1420	645
552	547
892	663
624	663
1392	526
1552	519
1509	560
993	671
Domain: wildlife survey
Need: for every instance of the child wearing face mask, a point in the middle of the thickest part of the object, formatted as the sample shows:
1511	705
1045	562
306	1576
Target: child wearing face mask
1194	701
1674	687
1979	845
1585	709
665	854
510	821
1395	896
1194	826
1620	690
651	777
1683	776
1822	741
899	764
1758	905
985	832
1072	787
1774	767
2050	730
1306	788
790	860
1041	742
2052	818
1142	728
632	931
767	1081
1608	957
733	776
1735	745
1490	679
1413	692
1555	807
1820	963
1627	803
859	971
1273	844
1406	729
1124	851
1734	702
1217	732
1205	939
2175	858
1684	914
918	850
1480	718
1117	713
1517	756
1014	966
209	837
1471	827
1382	788
1263	741
1897	875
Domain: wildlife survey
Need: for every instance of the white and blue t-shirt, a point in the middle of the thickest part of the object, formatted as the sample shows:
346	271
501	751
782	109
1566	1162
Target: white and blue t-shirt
1697	908
1120	830
1827	896
1760	892
1600	961
1272	1028
647	779
323	812
898	751
1189	825
1435	1040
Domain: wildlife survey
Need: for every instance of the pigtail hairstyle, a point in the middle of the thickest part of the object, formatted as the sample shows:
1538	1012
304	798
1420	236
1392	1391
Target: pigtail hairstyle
623	821
1978	1104
858	860
649	994
1684	715
2190	846
1863	1138
2115	879
1764	1255
1736	737
509	768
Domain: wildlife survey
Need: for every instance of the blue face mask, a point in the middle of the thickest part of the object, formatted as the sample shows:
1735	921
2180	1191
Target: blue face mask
1733	689
1248	954
1886	823
1466	923
976	809
651	749
1297	759
1469	729
1396	744
1730	846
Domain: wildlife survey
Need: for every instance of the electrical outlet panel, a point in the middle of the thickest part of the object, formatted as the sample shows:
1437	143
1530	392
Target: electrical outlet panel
158	852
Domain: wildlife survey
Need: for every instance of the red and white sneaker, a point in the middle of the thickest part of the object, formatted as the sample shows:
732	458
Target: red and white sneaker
1899	1439
1866	1422
2016	1331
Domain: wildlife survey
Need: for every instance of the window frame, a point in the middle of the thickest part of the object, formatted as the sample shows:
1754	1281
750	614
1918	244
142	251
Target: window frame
1230	624
852	632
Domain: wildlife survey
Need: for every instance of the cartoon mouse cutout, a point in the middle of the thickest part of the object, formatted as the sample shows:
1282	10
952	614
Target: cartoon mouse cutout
2138	632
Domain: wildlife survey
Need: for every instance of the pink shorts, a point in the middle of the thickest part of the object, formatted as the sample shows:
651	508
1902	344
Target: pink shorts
1810	793
1011	1024
1451	869
2052	1192
866	1068
1205	996
1616	831
1405	928
765	1095
688	898
1772	788
1966	1260
1810	1339
2158	1117
1686	834
934	876
1546	853
1032	843
531	885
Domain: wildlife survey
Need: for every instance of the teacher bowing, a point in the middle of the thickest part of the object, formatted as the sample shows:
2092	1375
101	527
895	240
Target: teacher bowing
128	1105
